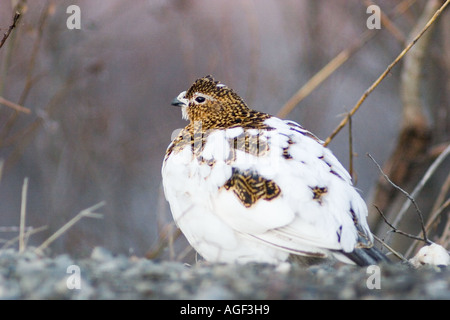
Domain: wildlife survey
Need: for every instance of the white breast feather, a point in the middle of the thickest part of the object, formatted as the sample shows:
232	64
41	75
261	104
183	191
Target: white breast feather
221	228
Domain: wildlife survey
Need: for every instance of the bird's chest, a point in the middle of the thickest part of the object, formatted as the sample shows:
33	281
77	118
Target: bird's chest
202	163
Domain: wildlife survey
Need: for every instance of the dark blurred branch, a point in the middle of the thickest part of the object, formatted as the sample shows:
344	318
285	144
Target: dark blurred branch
11	27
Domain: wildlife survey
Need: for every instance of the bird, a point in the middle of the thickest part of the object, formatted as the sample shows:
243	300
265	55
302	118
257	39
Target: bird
245	186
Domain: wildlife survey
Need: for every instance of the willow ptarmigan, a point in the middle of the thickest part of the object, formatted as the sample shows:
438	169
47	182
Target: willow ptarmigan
245	186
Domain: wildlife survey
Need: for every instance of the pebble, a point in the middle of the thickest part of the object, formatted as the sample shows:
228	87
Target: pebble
104	275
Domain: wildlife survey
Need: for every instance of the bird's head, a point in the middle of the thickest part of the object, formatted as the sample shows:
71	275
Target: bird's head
212	103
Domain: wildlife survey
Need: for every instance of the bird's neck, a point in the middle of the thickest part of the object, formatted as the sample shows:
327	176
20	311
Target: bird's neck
248	119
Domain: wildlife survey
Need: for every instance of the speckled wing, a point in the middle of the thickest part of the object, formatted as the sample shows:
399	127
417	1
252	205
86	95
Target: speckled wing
276	186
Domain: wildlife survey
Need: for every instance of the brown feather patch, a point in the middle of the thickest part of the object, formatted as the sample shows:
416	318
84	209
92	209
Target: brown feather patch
318	193
250	187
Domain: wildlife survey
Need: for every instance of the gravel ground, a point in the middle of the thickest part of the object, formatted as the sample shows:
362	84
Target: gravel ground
106	276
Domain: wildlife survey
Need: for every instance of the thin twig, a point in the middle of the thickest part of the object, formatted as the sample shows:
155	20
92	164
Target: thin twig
11	27
396	253
407	195
14	106
84	213
394	229
23	210
385	73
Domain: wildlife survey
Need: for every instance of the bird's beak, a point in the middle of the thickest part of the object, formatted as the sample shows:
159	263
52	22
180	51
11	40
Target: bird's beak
177	103
180	101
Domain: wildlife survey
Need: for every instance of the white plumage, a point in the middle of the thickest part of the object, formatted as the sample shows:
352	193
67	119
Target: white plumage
288	195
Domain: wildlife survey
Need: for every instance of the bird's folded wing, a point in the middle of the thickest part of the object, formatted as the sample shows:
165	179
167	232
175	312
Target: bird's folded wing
297	196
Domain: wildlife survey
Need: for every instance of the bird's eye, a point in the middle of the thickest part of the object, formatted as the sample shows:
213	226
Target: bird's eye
200	99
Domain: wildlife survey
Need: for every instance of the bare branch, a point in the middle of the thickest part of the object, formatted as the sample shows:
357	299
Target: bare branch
385	73
11	27
397	254
394	229
407	195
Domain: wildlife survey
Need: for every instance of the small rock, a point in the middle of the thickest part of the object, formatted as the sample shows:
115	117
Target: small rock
433	254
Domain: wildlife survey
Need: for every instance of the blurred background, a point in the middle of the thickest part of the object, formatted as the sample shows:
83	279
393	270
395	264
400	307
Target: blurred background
100	96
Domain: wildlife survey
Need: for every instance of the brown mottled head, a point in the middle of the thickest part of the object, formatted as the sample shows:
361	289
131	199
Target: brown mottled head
216	105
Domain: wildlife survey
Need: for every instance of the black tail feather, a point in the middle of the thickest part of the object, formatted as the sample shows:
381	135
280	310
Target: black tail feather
367	256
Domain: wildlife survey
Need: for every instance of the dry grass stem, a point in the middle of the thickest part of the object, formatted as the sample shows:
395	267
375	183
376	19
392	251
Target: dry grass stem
86	213
350	151
2	163
26	235
23	210
14	106
385	73
14	229
397	254
422	182
317	79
